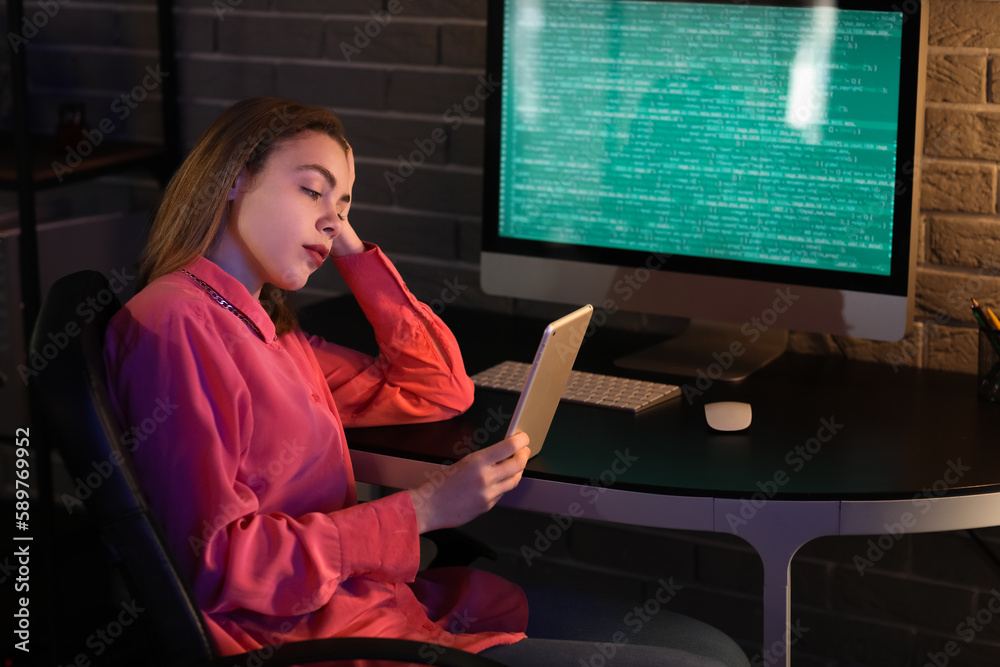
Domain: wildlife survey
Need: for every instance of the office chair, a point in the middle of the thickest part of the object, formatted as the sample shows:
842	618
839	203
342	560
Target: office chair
72	396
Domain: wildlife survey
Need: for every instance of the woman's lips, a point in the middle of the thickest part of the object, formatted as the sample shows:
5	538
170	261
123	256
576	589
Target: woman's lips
318	253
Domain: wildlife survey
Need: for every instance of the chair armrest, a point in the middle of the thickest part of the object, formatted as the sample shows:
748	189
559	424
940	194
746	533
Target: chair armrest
356	648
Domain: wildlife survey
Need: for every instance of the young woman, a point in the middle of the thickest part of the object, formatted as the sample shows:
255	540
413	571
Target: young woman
248	469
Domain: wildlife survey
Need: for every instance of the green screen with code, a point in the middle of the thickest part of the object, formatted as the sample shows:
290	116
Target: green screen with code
750	133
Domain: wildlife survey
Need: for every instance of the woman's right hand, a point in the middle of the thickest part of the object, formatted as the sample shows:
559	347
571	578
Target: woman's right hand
470	486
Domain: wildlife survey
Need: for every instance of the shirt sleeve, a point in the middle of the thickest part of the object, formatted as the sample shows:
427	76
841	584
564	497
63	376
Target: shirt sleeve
181	394
418	375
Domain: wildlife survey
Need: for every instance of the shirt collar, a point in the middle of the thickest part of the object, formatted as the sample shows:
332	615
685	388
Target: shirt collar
233	291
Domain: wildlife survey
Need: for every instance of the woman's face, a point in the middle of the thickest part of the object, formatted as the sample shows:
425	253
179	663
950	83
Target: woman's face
281	225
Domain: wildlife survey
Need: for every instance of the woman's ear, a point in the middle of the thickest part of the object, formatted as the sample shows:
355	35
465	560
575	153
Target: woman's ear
237	186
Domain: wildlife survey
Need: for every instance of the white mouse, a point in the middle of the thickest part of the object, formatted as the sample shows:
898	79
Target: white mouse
728	415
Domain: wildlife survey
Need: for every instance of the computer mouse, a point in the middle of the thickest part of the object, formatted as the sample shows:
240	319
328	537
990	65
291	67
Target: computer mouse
728	415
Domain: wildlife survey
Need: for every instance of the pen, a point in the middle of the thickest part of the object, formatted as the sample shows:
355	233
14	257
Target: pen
977	311
993	319
987	329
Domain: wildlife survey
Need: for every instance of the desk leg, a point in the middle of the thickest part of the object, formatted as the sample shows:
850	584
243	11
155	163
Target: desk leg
776	529
778	635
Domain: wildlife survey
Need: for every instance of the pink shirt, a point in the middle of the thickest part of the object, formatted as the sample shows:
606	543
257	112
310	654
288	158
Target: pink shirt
240	447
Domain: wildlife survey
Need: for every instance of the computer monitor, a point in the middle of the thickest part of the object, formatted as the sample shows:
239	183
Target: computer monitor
749	165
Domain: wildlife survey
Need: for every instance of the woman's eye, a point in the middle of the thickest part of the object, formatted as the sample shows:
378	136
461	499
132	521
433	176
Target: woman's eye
342	216
312	194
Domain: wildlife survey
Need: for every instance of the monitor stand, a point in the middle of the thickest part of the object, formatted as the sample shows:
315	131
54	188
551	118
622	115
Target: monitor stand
712	350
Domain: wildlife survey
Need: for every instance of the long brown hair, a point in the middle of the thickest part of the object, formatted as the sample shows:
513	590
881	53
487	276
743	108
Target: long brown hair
190	214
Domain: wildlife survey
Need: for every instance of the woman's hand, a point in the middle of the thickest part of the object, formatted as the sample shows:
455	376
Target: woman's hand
470	486
346	241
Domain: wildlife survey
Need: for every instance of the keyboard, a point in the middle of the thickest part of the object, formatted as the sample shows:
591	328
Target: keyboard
603	391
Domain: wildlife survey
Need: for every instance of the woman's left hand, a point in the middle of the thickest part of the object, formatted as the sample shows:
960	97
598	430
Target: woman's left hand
470	486
346	240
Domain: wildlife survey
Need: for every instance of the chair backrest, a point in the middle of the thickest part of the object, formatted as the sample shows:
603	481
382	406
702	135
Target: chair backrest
72	395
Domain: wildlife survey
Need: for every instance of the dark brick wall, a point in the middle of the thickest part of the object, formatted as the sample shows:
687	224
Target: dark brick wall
406	77
901	611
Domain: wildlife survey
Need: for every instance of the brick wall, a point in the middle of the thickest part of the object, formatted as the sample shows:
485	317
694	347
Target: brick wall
880	600
395	77
959	188
406	78
958	256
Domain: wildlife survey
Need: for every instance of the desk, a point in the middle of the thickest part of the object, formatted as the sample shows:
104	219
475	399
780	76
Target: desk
835	448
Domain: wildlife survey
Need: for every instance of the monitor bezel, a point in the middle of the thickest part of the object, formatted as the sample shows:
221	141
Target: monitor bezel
897	283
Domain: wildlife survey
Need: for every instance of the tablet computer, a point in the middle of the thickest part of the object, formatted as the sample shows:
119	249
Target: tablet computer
547	377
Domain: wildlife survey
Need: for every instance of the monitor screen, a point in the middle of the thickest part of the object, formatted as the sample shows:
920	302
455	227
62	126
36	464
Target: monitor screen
722	152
